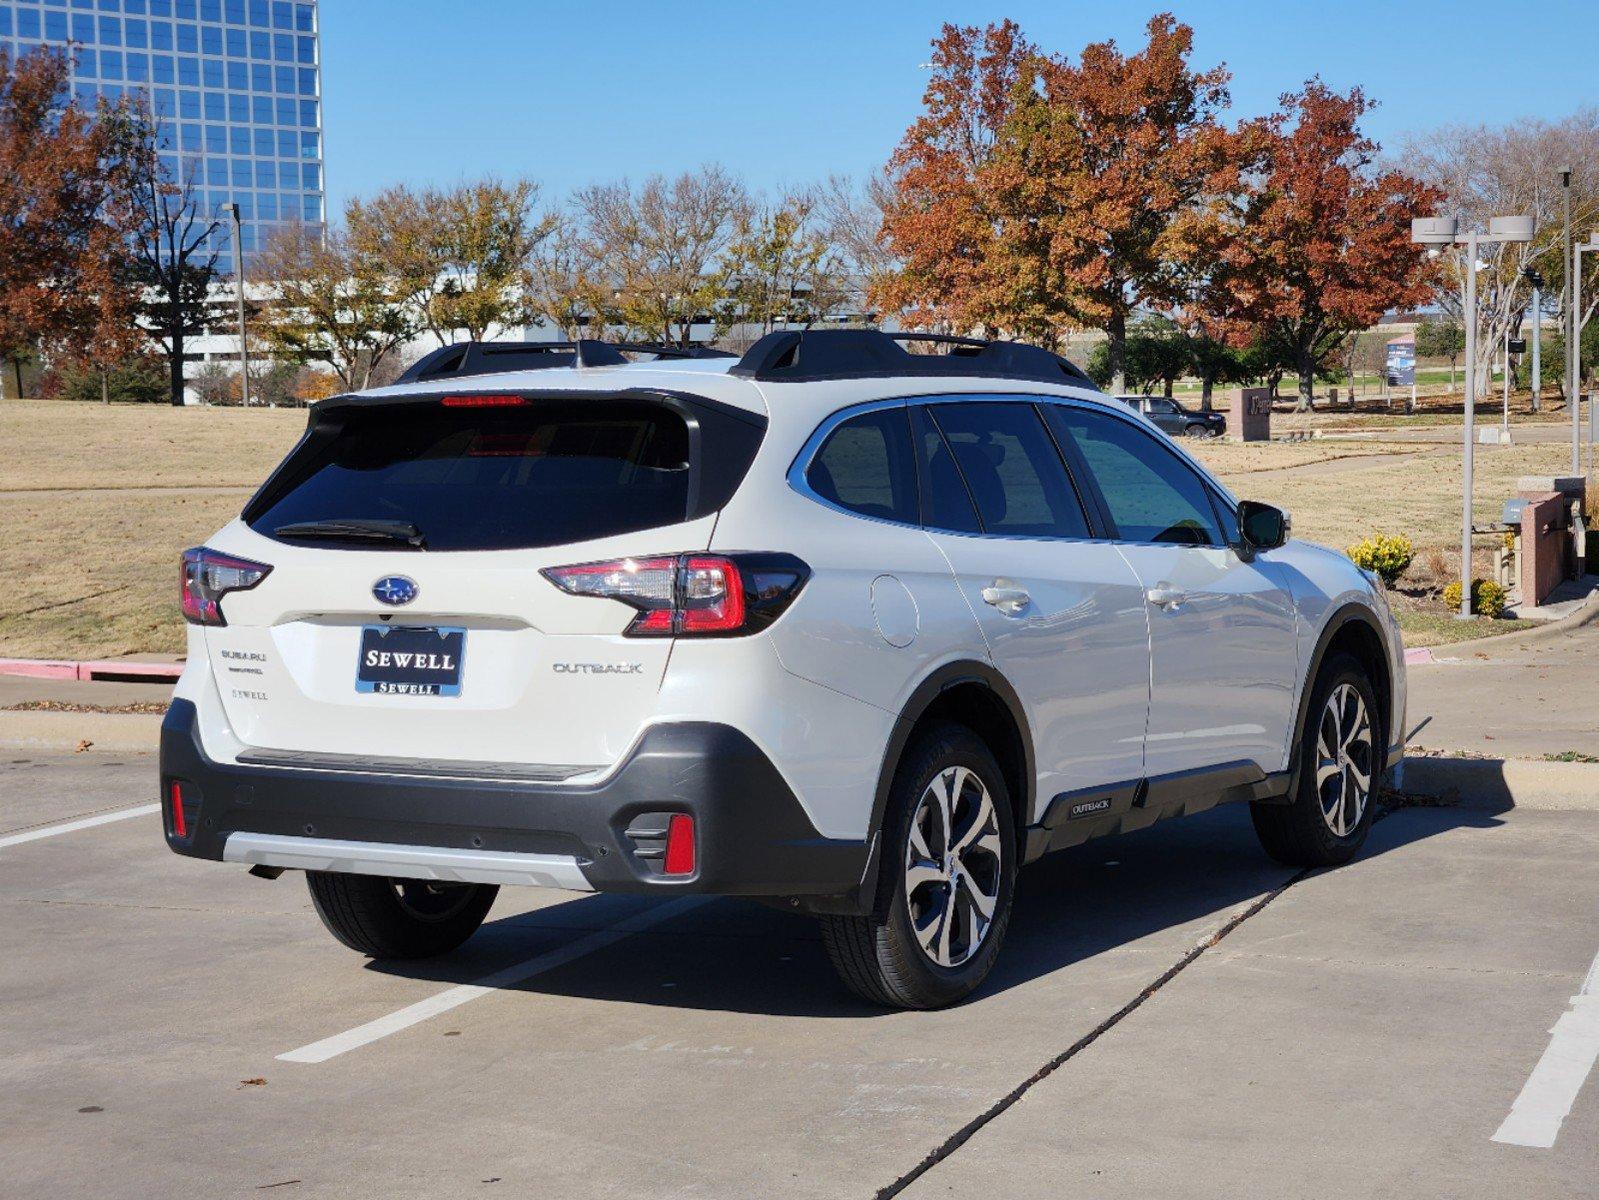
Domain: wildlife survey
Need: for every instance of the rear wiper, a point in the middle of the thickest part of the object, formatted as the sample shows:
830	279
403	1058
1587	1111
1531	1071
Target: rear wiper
355	529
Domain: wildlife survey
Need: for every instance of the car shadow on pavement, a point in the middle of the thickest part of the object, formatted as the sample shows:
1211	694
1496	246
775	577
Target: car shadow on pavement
1158	892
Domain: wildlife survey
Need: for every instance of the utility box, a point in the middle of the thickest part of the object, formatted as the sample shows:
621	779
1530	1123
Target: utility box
1251	415
1553	532
1544	540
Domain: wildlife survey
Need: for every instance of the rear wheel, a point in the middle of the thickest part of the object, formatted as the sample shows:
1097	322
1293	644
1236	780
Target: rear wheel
1196	430
949	870
398	918
1339	754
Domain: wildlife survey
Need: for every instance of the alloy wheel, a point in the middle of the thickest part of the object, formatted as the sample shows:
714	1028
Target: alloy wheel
1344	760
953	866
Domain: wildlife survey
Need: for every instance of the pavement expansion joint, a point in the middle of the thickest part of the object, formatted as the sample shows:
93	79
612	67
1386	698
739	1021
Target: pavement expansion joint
965	1133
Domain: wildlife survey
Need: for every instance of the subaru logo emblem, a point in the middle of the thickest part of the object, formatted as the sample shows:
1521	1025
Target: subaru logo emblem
395	590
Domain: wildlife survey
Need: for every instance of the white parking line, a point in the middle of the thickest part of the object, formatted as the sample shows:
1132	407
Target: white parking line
33	835
414	1014
1552	1089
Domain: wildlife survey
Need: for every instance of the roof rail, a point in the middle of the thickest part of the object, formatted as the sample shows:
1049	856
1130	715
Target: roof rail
803	356
489	358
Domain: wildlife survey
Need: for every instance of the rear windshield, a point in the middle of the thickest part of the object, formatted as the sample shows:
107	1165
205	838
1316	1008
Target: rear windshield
492	478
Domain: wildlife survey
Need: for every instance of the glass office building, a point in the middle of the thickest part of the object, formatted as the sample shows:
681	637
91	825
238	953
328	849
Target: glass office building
235	86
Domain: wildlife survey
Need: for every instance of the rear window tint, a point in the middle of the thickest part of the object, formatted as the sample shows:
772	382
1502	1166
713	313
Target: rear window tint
492	478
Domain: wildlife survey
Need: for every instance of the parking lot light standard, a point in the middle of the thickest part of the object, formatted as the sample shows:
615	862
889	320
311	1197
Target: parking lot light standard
1445	231
1577	251
1567	306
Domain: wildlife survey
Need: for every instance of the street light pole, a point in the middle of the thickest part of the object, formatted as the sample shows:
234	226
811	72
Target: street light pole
1567	305
1470	418
1445	231
1591	246
1506	425
1537	345
238	287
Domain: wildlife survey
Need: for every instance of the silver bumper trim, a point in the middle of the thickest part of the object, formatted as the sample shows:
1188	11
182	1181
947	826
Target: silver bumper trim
405	862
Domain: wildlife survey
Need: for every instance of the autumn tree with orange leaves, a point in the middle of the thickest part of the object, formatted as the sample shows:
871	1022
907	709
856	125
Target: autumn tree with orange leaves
1035	194
1317	246
1097	161
62	244
938	219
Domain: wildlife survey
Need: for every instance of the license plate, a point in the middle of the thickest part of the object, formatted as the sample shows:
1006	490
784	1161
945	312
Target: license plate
410	660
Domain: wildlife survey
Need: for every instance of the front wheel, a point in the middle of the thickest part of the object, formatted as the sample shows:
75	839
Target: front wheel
1340	759
398	918
949	871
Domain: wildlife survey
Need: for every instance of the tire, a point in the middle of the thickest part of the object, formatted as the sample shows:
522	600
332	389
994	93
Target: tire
1195	430
881	957
1311	831
398	918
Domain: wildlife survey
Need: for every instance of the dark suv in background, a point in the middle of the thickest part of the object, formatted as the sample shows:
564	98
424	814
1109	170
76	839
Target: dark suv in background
1176	420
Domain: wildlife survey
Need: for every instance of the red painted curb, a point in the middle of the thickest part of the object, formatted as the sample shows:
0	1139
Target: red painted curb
62	668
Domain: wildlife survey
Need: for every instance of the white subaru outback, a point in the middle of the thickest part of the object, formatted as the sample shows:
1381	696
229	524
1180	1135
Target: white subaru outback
847	628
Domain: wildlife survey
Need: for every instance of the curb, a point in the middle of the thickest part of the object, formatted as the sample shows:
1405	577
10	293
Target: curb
122	733
1586	615
1497	784
112	669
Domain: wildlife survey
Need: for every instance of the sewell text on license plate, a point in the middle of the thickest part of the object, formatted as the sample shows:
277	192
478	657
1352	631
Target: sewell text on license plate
410	660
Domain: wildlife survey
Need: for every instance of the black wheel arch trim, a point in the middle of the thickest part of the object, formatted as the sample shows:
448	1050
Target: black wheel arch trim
1344	614
941	680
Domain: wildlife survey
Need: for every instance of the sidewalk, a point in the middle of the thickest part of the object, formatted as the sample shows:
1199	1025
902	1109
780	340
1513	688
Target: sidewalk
1527	698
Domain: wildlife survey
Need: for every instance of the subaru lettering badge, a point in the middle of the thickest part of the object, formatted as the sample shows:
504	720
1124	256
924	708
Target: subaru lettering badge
395	590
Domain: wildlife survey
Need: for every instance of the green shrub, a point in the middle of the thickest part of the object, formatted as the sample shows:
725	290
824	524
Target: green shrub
1383	555
1487	597
141	379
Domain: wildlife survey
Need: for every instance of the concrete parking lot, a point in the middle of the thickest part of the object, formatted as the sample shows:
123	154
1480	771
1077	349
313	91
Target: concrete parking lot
1361	1032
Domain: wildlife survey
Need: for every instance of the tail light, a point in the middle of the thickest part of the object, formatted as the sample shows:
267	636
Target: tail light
208	576
692	595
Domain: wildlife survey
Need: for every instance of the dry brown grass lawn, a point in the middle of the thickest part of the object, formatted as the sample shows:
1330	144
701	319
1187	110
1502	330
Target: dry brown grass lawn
91	523
62	444
93	573
1418	495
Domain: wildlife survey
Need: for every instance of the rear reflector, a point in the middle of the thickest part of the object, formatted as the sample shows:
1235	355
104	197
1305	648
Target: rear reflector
679	846
487	401
180	827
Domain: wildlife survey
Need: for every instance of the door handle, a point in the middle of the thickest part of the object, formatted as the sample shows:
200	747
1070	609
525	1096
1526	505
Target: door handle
1008	600
1164	595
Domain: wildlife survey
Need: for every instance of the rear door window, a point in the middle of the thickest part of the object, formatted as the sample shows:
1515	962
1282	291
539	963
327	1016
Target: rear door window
867	466
1011	469
543	474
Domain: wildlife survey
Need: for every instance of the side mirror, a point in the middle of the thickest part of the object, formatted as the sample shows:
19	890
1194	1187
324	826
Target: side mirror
1262	526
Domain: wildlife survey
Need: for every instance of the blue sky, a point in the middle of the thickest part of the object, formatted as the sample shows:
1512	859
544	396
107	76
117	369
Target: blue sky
427	91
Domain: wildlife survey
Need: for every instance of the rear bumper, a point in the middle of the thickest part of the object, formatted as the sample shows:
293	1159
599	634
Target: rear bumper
752	836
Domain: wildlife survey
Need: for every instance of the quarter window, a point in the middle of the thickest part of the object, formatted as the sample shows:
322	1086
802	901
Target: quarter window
867	466
1152	495
1012	469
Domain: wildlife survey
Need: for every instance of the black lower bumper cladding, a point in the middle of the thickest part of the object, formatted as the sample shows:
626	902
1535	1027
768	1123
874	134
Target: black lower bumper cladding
753	837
